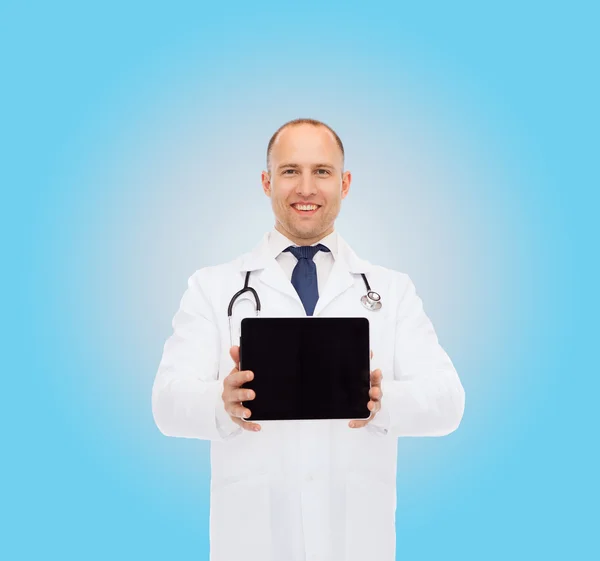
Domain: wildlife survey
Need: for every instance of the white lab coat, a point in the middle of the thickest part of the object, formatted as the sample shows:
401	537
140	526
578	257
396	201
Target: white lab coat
314	490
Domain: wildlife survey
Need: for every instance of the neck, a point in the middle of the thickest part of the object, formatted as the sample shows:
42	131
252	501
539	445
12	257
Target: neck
302	241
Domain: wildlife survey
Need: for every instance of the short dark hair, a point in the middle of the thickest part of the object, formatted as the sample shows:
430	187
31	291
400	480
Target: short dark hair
295	122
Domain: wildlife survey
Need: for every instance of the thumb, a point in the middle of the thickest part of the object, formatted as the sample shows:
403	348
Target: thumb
234	353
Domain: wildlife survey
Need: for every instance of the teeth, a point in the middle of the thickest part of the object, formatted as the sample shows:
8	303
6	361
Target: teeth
306	207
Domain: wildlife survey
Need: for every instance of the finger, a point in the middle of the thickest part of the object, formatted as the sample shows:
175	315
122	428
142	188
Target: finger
376	377
242	395
374	406
371	353
246	425
374	393
238	410
236	379
358	423
234	353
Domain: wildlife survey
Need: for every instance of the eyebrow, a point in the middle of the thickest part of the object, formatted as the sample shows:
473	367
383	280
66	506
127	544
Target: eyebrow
296	166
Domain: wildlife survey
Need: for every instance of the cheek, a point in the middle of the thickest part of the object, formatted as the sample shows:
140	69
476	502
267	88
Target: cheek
331	190
286	192
332	200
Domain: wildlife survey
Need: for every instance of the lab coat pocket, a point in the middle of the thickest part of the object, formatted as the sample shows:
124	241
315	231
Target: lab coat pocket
240	520
370	518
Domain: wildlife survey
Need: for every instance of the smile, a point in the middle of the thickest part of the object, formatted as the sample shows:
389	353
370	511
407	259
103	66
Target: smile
305	208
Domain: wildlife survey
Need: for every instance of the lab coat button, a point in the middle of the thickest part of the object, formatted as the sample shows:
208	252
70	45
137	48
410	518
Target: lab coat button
309	477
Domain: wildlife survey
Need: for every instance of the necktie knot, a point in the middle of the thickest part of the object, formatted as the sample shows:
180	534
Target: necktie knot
306	251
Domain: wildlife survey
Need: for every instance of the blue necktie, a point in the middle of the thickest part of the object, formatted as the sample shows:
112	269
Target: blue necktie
304	276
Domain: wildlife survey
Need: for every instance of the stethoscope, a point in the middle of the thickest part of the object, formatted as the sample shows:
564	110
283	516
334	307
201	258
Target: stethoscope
371	300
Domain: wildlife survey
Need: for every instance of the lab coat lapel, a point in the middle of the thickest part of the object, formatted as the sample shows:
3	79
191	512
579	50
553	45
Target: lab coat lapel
338	282
271	273
273	276
341	278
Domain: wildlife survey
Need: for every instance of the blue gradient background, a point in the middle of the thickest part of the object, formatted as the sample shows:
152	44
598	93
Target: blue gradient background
133	136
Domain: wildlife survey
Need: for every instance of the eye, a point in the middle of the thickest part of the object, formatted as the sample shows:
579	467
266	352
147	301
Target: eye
322	171
288	171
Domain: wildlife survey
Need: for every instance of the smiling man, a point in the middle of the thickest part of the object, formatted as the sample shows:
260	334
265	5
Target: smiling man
305	180
303	490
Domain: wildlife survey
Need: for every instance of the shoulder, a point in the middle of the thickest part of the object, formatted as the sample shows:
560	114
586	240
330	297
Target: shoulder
397	277
211	277
397	284
389	278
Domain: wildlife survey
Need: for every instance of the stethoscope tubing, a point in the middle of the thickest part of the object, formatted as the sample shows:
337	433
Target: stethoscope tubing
371	300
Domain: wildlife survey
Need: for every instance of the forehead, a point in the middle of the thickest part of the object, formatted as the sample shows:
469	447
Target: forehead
305	144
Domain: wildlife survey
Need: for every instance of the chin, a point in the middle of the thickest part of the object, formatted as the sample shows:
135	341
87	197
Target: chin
308	233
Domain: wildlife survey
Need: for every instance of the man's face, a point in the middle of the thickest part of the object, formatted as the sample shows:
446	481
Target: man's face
306	169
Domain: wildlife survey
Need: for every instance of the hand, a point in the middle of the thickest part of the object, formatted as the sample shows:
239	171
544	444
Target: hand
374	404
234	394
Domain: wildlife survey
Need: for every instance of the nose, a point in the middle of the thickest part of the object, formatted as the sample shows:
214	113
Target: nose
306	186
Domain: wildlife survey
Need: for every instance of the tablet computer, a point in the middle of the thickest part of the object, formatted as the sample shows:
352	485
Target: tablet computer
306	367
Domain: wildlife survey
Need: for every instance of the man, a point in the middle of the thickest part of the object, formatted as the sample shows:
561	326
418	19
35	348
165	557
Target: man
303	490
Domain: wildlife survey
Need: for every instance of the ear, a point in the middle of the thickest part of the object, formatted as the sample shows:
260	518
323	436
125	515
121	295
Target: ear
265	178
346	180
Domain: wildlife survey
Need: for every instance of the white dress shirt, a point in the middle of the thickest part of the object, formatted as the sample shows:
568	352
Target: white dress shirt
323	259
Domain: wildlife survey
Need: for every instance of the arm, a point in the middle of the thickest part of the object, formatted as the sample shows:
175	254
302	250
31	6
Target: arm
187	394
424	396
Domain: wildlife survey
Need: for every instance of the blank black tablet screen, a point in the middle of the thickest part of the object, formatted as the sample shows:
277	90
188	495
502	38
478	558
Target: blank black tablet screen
306	368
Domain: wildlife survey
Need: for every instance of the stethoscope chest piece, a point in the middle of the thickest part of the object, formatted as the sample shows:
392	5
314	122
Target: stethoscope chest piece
372	301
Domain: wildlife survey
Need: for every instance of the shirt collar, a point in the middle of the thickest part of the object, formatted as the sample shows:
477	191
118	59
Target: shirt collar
278	242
